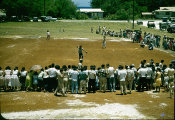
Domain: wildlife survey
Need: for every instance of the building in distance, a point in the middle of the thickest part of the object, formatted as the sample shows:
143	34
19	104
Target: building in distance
92	12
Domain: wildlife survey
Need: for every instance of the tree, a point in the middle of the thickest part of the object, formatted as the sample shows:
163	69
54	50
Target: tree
55	8
65	8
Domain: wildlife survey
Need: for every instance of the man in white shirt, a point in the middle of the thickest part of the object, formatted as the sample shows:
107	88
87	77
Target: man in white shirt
116	78
171	73
130	77
74	76
40	79
87	72
2	78
102	78
142	72
80	64
45	79
135	76
70	79
23	75
60	85
92	80
52	72
111	79
149	76
122	78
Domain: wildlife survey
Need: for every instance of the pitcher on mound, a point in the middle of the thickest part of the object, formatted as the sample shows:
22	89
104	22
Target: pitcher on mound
80	52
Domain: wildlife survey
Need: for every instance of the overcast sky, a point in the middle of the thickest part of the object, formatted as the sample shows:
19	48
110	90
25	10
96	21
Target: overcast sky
82	3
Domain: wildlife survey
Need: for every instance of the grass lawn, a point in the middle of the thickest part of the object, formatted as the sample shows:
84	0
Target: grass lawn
71	29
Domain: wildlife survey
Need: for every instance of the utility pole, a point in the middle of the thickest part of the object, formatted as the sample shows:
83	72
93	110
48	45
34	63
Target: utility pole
133	15
44	6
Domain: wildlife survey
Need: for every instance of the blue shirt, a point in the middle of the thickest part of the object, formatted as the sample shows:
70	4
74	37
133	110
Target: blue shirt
74	75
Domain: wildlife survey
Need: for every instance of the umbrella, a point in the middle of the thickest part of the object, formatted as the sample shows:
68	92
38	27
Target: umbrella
36	67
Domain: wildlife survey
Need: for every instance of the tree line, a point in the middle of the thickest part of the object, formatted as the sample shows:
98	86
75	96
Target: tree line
114	9
32	8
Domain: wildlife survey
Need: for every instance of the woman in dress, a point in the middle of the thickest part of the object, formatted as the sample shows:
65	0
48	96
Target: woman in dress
7	77
158	79
15	80
28	82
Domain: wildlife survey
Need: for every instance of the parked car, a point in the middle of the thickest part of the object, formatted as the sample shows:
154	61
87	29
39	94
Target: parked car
26	19
14	19
172	20
139	22
45	19
163	25
171	28
53	19
2	18
164	19
35	19
151	24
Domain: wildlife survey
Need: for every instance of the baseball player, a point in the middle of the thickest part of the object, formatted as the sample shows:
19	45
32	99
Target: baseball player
80	51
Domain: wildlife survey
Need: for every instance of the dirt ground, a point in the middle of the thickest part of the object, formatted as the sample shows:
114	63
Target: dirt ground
27	52
151	105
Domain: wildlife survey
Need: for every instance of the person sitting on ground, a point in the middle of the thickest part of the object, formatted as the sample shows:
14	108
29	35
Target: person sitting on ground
150	46
142	44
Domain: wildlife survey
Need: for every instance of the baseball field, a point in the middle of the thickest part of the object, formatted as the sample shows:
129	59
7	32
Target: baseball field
25	44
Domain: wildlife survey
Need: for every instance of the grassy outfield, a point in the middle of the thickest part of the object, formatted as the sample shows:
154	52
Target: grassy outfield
71	29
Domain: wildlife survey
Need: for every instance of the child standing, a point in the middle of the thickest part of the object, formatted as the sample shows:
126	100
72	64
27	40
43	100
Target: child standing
48	35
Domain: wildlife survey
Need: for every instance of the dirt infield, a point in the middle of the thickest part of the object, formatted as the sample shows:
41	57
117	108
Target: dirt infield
27	52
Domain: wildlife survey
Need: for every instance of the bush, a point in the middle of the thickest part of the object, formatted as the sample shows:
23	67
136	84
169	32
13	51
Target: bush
96	18
81	16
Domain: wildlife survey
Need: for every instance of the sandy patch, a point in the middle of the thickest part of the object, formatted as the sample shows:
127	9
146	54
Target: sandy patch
18	98
78	102
79	38
163	105
120	40
76	39
106	111
153	95
79	96
18	37
11	46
